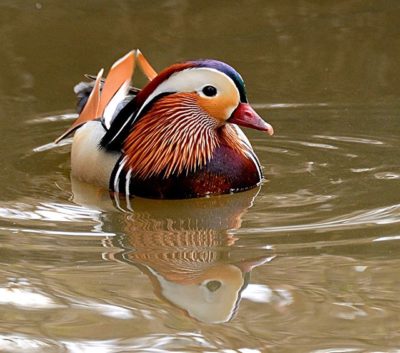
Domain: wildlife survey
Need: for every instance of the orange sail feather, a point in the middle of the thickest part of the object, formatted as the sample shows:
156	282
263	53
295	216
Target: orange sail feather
89	112
115	87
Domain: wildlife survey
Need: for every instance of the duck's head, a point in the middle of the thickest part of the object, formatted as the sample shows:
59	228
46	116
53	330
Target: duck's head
213	86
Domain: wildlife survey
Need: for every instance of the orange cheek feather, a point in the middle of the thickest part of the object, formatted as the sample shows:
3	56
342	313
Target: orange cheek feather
219	107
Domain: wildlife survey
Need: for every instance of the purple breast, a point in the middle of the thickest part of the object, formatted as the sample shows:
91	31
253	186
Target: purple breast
228	171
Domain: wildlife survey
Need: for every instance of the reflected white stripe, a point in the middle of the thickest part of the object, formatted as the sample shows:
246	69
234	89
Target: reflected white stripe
117	204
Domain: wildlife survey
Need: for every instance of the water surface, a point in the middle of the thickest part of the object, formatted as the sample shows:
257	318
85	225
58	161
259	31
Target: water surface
308	262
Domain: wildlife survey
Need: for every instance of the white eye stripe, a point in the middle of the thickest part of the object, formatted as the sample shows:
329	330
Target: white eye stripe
191	80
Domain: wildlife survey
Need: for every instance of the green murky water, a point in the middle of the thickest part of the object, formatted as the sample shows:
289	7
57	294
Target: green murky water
307	263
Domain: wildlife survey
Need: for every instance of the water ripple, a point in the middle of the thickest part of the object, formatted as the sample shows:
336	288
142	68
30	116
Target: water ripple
151	343
56	232
49	211
351	139
23	343
25	298
376	216
288	105
388	238
302	197
316	145
387	175
53	118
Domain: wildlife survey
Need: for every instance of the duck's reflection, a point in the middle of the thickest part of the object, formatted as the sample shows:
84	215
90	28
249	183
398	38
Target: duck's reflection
185	248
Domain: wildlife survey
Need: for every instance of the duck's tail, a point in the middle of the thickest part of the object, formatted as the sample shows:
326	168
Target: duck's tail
83	89
101	99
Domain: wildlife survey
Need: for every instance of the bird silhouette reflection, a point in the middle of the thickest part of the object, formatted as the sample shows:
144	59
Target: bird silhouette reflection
187	248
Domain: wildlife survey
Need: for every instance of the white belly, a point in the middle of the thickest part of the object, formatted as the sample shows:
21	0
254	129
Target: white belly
90	163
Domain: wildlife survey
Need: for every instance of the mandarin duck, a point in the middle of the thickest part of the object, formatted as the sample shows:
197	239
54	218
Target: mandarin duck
177	137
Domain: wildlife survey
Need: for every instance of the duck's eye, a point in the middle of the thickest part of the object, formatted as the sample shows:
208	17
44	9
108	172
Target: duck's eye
213	286
209	91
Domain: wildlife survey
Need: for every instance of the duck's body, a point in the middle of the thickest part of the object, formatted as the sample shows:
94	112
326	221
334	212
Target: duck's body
176	138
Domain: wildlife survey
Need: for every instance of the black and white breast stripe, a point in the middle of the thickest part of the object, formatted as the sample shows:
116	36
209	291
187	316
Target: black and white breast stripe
119	183
120	178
